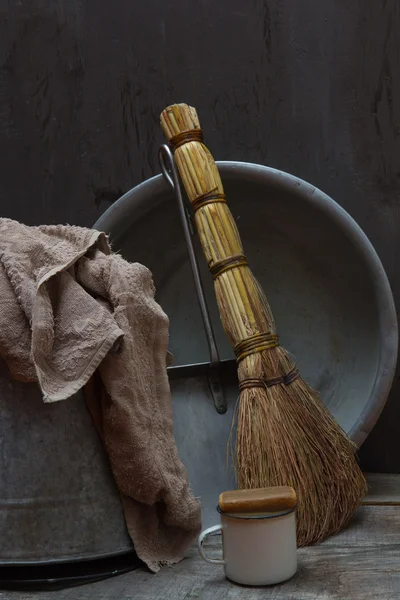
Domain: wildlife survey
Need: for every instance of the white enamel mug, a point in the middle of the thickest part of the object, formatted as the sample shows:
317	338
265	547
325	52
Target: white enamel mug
258	549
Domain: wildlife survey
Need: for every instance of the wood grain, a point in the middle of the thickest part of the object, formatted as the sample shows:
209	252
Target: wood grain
308	87
362	562
383	488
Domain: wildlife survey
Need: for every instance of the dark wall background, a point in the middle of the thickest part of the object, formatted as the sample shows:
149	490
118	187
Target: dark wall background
309	87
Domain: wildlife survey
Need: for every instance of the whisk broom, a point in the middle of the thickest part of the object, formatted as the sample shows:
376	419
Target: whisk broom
285	434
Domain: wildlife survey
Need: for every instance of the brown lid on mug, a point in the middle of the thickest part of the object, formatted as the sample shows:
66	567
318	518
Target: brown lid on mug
271	499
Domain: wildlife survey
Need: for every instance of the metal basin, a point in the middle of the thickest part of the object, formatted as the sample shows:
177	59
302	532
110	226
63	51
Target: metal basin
326	285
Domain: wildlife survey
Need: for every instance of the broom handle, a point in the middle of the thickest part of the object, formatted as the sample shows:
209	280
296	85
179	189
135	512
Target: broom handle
210	200
217	229
203	185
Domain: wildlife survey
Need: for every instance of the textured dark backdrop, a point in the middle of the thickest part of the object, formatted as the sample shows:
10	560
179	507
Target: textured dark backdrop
309	87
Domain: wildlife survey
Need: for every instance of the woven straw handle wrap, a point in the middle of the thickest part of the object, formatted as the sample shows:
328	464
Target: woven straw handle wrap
243	309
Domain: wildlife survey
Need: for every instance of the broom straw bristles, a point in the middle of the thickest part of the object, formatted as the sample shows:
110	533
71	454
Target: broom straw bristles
285	434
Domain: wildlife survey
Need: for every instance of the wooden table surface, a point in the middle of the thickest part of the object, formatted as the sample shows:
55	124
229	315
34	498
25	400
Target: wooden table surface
363	562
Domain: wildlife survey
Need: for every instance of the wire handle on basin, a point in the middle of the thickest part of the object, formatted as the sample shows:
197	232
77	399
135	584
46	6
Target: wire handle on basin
170	173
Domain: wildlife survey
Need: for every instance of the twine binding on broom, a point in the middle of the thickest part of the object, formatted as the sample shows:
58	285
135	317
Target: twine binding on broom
219	267
255	382
285	379
193	135
255	343
251	382
208	198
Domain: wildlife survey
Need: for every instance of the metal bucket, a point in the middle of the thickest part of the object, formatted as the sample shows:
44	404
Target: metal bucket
326	285
58	500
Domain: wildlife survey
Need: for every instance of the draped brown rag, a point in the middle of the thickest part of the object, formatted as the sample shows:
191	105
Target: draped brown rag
74	314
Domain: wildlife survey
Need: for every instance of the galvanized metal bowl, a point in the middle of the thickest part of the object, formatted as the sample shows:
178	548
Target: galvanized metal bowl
328	291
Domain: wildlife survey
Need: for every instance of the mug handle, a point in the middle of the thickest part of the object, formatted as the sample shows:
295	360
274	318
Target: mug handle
202	537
